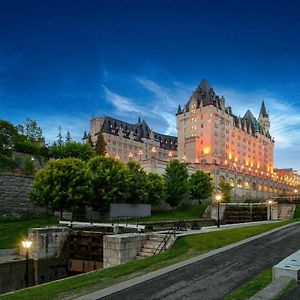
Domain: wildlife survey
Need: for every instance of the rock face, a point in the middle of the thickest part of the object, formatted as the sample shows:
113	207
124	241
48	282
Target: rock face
14	195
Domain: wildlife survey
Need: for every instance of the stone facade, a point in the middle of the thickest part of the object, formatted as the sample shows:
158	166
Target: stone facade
14	194
121	248
127	141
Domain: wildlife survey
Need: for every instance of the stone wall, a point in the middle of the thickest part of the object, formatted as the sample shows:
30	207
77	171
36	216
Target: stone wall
13	273
14	194
121	248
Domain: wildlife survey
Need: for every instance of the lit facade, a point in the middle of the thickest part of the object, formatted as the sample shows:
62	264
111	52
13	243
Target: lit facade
209	133
127	141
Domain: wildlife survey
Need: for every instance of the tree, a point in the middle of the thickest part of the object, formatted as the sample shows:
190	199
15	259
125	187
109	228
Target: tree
59	141
31	132
62	185
68	137
200	185
100	145
90	141
176	178
72	149
225	189
156	188
136	183
8	136
108	178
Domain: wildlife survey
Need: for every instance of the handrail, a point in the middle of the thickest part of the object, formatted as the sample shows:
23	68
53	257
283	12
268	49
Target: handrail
171	231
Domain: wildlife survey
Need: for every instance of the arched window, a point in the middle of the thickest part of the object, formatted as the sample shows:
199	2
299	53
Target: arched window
247	185
231	182
259	187
253	186
221	179
239	184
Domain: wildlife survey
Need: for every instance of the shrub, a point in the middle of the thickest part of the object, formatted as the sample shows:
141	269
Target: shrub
27	147
7	163
29	166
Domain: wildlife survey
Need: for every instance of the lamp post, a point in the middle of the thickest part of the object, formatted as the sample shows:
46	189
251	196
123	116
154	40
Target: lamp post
26	245
130	155
140	154
270	208
218	199
153	152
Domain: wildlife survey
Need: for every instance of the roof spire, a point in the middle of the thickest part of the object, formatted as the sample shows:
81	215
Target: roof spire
203	85
139	120
179	109
263	111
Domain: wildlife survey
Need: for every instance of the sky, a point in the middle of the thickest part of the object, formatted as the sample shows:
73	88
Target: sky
62	62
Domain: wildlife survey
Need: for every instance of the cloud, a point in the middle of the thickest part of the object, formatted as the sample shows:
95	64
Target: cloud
122	103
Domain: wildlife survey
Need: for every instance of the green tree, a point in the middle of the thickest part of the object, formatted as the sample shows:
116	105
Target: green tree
31	132
68	137
60	140
72	149
176	178
8	136
225	190
156	188
136	183
62	185
108	178
90	141
200	185
100	145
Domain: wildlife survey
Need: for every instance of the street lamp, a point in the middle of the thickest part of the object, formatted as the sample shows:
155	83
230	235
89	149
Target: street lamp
218	199
153	151
130	155
140	154
270	208
26	245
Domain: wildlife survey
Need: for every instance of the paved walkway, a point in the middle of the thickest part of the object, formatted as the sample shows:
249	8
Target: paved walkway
212	275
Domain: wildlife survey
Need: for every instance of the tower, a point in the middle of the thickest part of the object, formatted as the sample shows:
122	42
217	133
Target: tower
263	118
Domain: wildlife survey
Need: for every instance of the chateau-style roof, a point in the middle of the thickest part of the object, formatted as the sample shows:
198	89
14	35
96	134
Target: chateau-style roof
137	132
263	112
205	95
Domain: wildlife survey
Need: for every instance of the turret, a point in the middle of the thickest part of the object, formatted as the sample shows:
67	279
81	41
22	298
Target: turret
263	118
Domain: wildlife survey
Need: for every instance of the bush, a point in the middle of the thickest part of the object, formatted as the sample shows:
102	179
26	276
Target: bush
7	163
29	166
27	147
72	149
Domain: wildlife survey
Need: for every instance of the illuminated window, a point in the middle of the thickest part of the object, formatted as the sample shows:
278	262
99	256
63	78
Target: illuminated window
231	182
239	184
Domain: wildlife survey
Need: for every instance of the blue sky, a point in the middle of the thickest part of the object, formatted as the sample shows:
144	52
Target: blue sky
61	62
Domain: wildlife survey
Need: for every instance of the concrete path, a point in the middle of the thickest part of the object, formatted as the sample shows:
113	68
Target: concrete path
212	275
272	290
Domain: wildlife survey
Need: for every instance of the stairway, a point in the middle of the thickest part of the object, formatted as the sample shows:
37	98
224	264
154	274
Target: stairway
152	244
286	211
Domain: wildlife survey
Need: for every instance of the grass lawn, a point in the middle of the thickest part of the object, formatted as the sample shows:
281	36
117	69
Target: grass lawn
297	212
251	287
184	212
12	232
184	248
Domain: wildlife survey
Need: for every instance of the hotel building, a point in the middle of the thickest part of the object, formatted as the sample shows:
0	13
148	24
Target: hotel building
238	150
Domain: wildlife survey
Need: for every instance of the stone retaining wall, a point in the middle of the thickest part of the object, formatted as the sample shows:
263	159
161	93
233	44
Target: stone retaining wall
14	194
121	248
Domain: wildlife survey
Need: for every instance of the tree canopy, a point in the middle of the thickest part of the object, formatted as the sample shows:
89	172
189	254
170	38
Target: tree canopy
62	185
200	185
176	177
72	149
100	145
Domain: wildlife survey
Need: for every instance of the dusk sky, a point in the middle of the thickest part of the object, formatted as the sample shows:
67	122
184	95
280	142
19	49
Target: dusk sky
61	62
